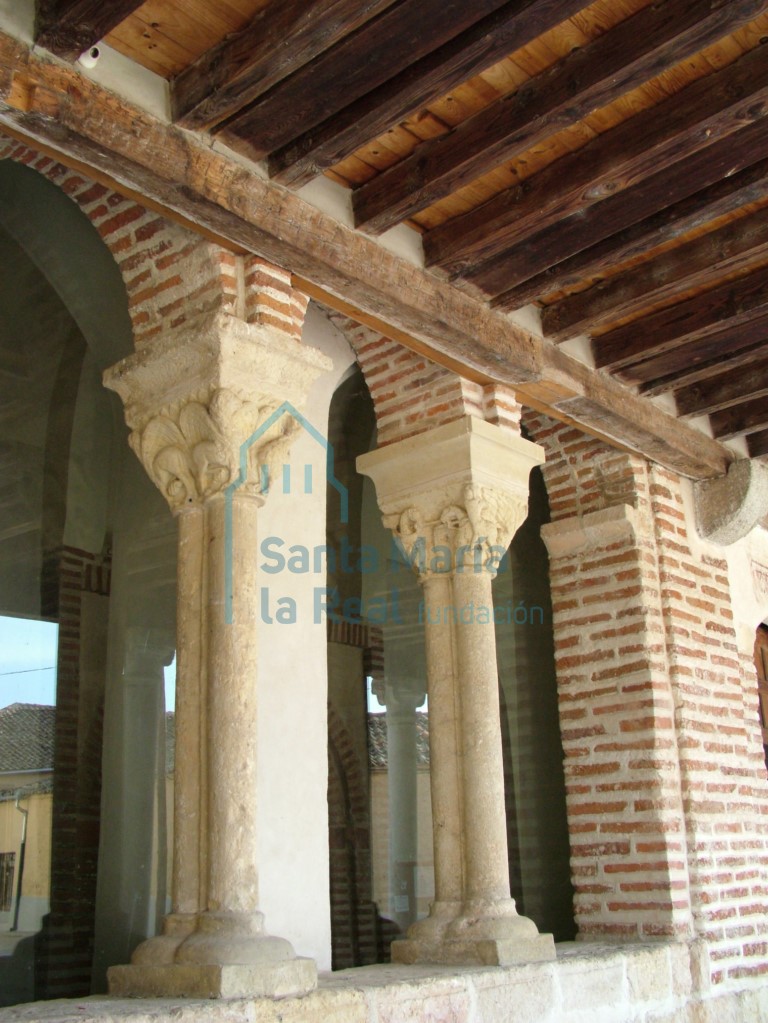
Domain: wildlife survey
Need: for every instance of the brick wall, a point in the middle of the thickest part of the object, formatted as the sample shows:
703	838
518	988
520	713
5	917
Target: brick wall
666	789
354	928
64	948
720	745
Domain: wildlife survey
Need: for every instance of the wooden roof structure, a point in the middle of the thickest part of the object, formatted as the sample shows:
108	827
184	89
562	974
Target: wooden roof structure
607	163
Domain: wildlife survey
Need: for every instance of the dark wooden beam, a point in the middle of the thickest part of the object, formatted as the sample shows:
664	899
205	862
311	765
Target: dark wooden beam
712	184
69	27
749	417
694	362
243	66
56	105
359	63
728	306
481	46
732	387
709	109
757	443
699	263
593	76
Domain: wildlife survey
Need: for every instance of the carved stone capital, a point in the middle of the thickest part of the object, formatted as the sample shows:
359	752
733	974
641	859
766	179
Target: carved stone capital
200	403
470	532
454	497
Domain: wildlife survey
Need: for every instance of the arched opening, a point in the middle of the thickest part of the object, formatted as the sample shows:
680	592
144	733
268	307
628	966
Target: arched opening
537	830
87	577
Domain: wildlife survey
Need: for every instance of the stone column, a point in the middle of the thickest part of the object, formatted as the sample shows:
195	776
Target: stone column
401	702
204	405
454	498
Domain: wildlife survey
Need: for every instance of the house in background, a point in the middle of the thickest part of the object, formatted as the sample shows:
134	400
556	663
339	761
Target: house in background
26	775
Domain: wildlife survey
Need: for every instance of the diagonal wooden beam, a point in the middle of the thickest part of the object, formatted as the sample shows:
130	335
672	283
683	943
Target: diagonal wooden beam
730	305
706	111
484	44
52	104
697	361
732	387
280	39
749	417
360	62
699	263
713	183
69	27
644	45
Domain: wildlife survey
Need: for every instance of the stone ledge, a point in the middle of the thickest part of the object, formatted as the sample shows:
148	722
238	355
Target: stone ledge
589	983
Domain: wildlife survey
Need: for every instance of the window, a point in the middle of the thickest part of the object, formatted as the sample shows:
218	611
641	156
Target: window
7	863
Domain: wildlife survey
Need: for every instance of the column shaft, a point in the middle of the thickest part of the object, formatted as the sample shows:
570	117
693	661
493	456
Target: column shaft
485	828
445	785
231	684
189	881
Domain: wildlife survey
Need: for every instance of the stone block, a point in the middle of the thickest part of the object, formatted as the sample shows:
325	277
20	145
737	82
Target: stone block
649	976
592	983
283	979
481	952
518	995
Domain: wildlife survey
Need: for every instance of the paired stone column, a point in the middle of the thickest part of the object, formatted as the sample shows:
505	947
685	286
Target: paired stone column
454	498
402	769
204	405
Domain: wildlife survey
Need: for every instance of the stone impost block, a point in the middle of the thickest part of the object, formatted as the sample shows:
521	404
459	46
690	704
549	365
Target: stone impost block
595	529
213	353
483	952
467	451
289	978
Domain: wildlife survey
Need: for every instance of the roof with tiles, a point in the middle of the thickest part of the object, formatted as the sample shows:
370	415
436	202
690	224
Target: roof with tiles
26	737
377	741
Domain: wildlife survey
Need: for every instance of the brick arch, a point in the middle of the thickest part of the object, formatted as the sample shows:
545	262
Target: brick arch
170	274
353	913
411	394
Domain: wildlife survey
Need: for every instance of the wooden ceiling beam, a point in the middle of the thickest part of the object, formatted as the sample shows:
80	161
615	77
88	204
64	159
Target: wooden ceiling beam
362	61
731	387
757	443
56	105
69	27
593	76
707	110
711	184
280	39
484	44
694	362
729	306
699	263
748	417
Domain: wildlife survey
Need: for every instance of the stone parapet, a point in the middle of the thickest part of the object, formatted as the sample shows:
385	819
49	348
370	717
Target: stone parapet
588	983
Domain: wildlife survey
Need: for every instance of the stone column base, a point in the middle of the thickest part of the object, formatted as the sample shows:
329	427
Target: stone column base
477	952
289	978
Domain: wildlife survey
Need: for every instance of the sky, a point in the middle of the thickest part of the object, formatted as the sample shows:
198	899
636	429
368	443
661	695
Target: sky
28	663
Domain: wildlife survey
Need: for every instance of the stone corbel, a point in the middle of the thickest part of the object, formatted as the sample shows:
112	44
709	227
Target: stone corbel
729	507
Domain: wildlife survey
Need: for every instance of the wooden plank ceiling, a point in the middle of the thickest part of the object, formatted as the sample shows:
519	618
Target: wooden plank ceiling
607	162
